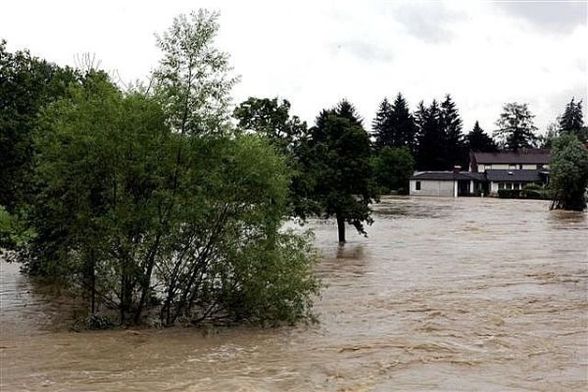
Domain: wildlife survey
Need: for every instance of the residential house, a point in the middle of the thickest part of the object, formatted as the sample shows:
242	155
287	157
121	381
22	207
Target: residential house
489	173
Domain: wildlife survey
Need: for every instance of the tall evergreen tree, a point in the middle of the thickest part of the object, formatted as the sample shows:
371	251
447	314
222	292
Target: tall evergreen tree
395	126
337	156
479	141
572	120
455	151
381	125
431	138
516	129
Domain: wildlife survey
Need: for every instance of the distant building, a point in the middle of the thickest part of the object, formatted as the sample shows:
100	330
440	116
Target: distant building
446	183
489	173
526	159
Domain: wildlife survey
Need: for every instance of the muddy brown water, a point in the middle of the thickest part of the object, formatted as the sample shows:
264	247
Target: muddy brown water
444	294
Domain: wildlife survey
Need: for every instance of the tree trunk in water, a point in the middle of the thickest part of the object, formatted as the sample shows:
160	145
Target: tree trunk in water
341	228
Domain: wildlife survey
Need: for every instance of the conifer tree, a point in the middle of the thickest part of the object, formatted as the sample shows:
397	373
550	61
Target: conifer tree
479	141
431	138
516	129
454	151
381	125
572	120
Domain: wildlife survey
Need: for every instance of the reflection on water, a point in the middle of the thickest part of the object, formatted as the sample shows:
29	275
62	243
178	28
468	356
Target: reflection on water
444	294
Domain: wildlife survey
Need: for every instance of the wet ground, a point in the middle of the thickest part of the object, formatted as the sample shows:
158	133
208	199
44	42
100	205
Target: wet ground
445	294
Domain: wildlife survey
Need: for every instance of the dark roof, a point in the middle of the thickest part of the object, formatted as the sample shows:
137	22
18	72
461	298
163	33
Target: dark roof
535	156
447	176
514	175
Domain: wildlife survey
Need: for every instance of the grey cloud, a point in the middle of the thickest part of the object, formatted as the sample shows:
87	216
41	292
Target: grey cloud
426	21
364	50
553	16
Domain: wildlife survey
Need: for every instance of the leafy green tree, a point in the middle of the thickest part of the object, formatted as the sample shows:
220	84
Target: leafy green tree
27	83
572	120
478	140
516	129
148	207
193	81
394	125
271	119
393	167
569	173
337	156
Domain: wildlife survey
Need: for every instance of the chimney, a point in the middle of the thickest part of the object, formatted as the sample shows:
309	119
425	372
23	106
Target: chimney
456	169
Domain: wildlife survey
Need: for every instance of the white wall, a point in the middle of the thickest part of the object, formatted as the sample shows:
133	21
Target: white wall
434	188
493	188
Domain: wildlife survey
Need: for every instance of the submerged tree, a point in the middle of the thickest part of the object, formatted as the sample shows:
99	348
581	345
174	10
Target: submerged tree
516	129
337	156
150	207
569	173
271	119
478	140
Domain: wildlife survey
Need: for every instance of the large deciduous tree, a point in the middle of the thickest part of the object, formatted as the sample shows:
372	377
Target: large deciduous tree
569	173
337	156
516	129
149	206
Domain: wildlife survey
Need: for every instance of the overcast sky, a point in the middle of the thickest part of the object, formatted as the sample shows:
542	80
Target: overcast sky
314	53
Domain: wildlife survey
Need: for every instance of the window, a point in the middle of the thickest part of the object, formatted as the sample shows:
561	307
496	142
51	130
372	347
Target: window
418	186
509	186
501	185
539	167
512	166
516	185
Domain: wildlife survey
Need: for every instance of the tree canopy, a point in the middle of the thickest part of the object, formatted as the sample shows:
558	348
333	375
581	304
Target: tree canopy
516	129
478	140
394	125
569	173
337	157
572	120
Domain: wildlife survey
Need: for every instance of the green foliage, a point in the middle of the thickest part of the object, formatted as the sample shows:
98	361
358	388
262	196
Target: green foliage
479	141
193	82
271	119
572	121
337	158
516	129
393	168
27	83
569	173
150	208
394	125
531	191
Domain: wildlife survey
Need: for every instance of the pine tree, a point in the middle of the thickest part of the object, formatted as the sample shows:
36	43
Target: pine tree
394	125
516	129
431	138
479	141
403	124
454	152
381	125
572	120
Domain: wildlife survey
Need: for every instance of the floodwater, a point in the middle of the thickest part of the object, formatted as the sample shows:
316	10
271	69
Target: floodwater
445	294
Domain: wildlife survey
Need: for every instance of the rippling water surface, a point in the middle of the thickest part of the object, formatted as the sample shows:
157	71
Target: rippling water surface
444	294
